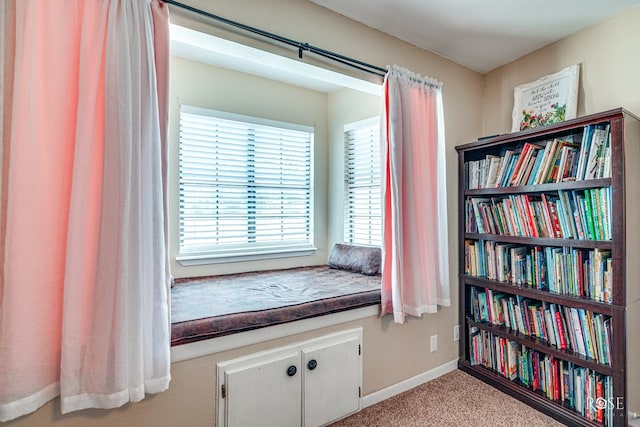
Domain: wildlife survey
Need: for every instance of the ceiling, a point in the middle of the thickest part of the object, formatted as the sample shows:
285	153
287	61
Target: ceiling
479	34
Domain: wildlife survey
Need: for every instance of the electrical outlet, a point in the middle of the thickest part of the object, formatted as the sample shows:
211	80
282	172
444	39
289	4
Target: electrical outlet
456	333
434	343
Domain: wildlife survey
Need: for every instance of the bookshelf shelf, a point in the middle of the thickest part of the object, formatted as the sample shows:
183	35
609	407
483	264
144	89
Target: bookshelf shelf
540	188
542	346
554	208
541	241
541	295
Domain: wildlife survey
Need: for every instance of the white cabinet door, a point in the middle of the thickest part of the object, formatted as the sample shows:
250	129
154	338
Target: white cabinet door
262	391
331	380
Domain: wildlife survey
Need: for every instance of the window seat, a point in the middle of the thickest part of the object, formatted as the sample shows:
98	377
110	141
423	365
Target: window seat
209	307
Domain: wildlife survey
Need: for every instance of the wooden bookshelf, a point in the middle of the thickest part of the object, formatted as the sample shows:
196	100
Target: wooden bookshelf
568	268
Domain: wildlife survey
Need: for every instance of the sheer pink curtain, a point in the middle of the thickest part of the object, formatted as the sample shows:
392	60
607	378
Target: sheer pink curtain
415	267
84	308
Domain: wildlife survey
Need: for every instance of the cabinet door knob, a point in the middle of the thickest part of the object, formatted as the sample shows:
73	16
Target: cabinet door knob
312	364
291	370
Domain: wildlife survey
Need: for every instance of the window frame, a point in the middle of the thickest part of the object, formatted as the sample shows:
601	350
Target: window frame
243	252
349	233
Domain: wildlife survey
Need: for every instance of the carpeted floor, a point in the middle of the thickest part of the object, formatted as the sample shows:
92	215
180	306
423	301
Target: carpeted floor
454	399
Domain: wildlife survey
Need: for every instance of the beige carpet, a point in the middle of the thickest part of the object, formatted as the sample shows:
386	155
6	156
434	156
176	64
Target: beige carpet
454	399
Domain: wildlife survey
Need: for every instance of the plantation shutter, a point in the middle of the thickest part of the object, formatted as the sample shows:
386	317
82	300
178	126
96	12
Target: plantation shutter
363	223
245	184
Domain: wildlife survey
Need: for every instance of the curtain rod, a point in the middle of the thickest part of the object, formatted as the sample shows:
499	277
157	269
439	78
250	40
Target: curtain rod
345	60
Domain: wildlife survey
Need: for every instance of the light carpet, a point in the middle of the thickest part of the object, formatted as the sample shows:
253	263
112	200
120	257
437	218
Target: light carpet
454	399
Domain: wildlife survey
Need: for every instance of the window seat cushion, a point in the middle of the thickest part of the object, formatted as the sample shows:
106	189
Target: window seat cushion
358	259
210	307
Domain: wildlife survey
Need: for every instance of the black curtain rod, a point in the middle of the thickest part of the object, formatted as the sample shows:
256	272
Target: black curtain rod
345	60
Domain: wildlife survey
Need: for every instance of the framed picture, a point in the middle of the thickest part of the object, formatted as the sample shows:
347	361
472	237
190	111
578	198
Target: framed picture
550	99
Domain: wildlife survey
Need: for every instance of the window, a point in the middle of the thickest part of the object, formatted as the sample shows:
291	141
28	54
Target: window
363	221
245	186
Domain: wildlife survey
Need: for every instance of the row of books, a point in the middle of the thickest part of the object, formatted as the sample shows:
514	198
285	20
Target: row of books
556	161
563	270
566	328
576	214
587	392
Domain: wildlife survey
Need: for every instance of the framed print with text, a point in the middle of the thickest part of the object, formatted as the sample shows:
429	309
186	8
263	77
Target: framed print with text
550	99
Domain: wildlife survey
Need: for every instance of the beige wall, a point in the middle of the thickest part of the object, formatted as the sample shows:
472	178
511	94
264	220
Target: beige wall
609	60
201	85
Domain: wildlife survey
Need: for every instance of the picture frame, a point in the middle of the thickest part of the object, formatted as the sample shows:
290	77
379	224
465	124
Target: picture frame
550	99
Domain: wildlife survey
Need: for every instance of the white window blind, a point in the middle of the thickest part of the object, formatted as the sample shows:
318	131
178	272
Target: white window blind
245	184
363	223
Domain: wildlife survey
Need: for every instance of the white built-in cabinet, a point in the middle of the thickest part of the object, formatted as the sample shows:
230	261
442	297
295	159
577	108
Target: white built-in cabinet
311	383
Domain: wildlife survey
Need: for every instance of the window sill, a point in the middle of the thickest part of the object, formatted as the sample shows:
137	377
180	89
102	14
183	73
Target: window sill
190	260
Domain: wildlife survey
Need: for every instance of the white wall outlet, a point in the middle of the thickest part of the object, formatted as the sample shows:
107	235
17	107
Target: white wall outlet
456	333
434	343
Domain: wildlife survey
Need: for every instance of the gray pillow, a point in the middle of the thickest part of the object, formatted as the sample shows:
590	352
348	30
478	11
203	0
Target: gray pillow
358	259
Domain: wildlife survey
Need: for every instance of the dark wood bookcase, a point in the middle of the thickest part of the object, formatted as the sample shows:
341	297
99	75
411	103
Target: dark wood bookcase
621	311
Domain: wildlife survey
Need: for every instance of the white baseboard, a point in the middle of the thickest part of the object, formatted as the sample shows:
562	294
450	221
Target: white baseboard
408	384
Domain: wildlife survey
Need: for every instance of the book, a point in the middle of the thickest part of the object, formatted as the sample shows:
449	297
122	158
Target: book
567	215
524	179
551	216
584	152
605	156
598	328
599	394
551	328
524	162
597	209
548	153
607	338
596	151
563	149
477	204
483	307
579	336
590	328
605	206
589	217
512	352
536	166
503	167
492	174
509	170
568	163
560	329
568	327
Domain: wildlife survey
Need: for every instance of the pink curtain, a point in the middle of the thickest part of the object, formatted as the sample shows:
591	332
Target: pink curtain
84	306
415	266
